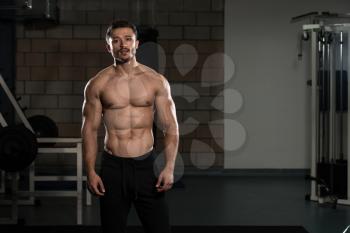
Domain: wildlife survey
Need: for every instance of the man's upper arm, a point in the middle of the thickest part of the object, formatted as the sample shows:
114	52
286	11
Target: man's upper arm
92	108
166	111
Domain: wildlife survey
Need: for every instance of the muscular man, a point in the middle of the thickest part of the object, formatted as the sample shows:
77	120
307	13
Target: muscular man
125	97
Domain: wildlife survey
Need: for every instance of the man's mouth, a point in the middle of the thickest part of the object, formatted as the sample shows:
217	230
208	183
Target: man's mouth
124	50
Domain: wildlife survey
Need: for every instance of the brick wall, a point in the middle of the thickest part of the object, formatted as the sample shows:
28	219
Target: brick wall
54	64
198	24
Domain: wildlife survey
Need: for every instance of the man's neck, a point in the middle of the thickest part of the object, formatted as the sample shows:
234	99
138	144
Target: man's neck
126	67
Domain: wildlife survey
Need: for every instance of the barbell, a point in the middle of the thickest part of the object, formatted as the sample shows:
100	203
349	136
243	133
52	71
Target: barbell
19	145
43	126
18	148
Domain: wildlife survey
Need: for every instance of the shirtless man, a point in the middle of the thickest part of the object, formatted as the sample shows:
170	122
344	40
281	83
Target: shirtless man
125	97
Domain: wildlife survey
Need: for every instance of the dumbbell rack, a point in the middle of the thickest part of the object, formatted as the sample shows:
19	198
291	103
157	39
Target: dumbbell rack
69	146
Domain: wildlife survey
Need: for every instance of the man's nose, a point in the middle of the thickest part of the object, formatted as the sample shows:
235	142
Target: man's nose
122	43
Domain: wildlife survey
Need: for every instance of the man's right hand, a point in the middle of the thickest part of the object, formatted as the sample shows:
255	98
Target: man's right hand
95	184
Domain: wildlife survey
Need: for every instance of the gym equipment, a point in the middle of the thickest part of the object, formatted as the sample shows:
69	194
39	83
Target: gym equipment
43	126
18	148
329	38
27	135
38	12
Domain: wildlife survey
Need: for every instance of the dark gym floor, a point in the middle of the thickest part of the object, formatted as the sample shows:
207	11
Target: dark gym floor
218	200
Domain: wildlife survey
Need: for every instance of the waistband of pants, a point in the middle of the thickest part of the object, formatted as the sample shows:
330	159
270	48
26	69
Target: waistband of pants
149	156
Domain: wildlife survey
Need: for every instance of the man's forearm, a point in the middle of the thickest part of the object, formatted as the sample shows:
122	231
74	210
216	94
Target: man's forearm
171	141
90	151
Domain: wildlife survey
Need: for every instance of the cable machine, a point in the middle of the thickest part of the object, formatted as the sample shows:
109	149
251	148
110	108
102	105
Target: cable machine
329	38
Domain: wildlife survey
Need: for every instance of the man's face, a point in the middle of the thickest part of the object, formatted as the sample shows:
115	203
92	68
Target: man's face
122	44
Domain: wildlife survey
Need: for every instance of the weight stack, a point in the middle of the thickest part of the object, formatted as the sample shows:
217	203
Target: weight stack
323	174
334	176
340	171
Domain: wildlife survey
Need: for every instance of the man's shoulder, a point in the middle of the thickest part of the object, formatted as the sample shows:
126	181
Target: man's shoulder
146	70
96	81
151	73
157	80
104	73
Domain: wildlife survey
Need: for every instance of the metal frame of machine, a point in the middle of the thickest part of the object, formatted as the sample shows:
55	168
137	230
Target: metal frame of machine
69	146
318	145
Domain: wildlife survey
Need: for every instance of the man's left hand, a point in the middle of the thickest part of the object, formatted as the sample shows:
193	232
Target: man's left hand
165	180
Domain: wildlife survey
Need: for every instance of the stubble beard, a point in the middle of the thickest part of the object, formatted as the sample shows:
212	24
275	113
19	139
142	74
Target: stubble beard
119	60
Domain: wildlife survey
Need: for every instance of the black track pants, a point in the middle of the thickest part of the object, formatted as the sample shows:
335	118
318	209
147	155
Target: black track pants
131	181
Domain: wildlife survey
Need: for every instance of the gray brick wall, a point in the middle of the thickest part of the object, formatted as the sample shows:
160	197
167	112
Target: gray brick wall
183	104
44	73
201	116
177	89
217	33
72	73
217	5
20	87
22	73
162	18
44	45
44	101
71	101
23	45
34	59
168	32
60	115
72	46
100	17
197	33
197	5
77	116
59	59
211	19
34	111
87	31
84	5
183	18
34	87
34	33
119	5
59	87
166	5
72	17
61	31
78	87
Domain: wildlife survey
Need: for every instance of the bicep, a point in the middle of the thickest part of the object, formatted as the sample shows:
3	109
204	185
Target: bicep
92	109
91	114
165	107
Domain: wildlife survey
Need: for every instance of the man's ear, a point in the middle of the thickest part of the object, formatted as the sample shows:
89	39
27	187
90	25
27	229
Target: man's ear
108	47
137	44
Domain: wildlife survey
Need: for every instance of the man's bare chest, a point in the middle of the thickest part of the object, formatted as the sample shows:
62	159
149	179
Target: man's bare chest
125	92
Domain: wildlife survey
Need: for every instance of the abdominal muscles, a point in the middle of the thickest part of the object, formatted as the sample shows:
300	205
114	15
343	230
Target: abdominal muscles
128	130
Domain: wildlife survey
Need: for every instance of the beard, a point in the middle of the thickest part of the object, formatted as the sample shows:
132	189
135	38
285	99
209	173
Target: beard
124	55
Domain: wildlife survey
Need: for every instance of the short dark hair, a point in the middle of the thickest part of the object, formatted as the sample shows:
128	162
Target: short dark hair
120	23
